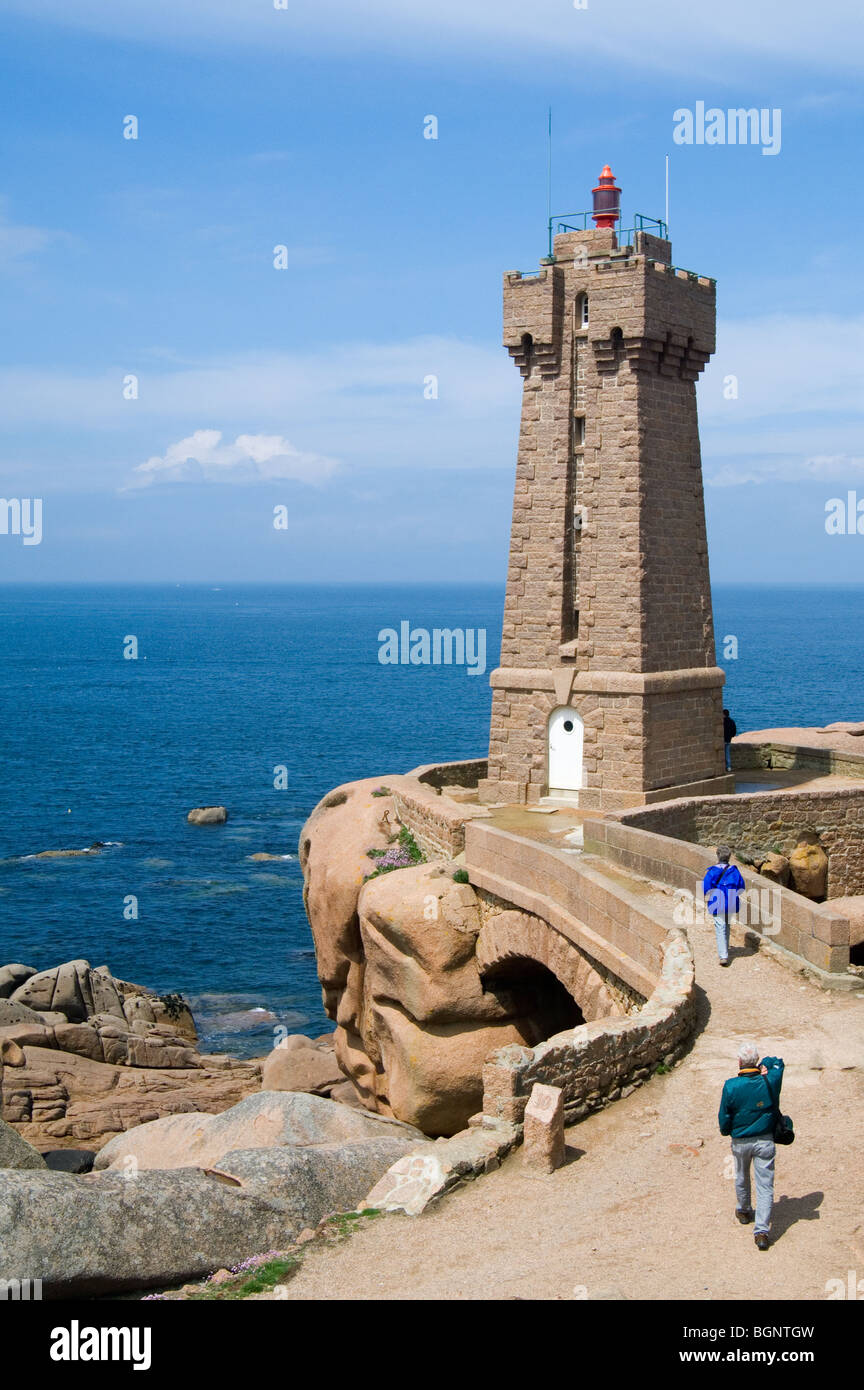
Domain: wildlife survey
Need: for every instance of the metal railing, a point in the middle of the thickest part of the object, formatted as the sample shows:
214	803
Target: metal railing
578	222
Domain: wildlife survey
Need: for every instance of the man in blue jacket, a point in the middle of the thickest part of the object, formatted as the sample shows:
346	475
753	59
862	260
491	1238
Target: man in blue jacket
748	1107
722	885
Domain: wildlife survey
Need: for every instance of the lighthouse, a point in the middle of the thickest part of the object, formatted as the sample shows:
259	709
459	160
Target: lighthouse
608	693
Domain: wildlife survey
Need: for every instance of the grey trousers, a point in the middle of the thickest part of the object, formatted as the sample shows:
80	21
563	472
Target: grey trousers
760	1152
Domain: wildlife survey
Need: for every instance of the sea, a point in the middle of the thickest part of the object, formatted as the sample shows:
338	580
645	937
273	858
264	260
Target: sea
123	707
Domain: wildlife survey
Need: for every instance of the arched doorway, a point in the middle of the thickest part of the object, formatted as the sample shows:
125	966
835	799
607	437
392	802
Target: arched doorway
565	741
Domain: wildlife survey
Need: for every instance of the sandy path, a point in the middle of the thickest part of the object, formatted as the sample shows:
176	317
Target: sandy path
628	1217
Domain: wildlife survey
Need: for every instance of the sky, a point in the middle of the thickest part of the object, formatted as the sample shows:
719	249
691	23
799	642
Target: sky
164	385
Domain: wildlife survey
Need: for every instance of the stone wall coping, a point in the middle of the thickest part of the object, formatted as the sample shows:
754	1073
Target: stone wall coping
616	835
609	682
746	743
448	773
565	877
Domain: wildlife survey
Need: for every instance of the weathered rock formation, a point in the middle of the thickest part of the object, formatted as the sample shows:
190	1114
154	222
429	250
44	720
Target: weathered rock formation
137	1227
267	1120
84	1055
55	1098
299	1064
15	1152
775	867
808	867
424	976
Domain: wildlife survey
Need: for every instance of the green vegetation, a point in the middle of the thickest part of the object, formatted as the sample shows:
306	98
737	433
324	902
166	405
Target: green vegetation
461	876
345	1223
401	853
256	1279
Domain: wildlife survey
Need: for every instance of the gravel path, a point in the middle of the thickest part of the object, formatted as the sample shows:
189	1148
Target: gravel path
629	1216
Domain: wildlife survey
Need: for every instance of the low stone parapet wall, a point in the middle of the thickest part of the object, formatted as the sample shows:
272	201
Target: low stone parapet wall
466	773
608	923
787	757
598	1062
811	931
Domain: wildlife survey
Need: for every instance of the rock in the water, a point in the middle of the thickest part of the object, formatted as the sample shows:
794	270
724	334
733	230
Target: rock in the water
11	976
208	815
69	1160
96	847
310	1069
808	866
15	1152
268	1119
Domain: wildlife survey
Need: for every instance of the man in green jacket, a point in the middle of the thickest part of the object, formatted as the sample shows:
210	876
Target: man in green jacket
748	1108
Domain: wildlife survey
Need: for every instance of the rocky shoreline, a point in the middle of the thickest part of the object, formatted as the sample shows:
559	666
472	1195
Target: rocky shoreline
190	1165
84	1056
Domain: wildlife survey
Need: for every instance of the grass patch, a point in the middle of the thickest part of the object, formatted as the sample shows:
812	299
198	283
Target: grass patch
345	1223
258	1279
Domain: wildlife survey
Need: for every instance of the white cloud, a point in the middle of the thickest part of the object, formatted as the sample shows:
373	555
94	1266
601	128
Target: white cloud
664	35
842	469
343	385
785	365
202	457
361	403
799	411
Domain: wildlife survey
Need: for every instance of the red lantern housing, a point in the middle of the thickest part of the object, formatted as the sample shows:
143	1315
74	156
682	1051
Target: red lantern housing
607	200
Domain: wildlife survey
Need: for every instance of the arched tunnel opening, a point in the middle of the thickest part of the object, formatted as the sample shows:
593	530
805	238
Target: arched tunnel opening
533	996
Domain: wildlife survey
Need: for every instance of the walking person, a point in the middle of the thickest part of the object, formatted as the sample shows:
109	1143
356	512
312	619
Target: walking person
722	886
730	729
748	1110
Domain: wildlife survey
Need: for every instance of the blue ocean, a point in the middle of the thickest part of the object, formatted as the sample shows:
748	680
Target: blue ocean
262	699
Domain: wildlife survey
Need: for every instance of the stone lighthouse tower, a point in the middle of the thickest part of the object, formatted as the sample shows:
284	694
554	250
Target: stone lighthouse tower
608	694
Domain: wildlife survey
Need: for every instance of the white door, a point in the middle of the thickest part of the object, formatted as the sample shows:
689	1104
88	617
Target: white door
565	750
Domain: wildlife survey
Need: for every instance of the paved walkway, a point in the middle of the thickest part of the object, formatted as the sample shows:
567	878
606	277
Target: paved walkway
644	1207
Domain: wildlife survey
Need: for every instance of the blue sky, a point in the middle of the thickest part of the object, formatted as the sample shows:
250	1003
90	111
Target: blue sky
303	387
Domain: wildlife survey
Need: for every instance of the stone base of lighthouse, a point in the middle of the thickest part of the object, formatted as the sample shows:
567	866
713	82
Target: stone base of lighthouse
605	740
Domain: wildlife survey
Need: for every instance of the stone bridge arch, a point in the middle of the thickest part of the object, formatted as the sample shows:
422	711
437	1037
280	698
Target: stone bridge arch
510	942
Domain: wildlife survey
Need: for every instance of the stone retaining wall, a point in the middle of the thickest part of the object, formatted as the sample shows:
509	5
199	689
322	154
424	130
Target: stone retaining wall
771	820
789	756
811	931
436	822
599	1062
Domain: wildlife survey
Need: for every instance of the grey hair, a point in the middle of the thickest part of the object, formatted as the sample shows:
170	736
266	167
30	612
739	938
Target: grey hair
724	854
748	1054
